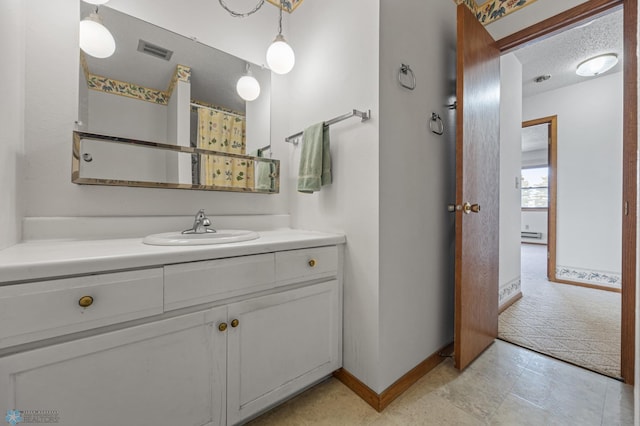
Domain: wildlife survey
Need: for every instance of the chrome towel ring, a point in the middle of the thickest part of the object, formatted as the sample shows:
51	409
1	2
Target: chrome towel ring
436	124
405	70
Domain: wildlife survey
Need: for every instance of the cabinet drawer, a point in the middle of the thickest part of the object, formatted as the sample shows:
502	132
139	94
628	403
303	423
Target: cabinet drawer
306	264
195	283
44	309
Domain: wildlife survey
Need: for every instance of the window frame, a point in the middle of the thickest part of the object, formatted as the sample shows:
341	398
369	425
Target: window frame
532	209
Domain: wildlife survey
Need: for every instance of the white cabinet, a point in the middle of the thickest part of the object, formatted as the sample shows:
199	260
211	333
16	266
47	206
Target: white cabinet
281	343
190	284
169	372
214	342
43	309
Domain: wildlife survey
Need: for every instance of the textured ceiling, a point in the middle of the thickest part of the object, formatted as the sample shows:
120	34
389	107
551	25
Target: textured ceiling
560	54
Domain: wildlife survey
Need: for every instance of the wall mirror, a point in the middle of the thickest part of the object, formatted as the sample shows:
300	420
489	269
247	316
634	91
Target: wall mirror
109	160
161	90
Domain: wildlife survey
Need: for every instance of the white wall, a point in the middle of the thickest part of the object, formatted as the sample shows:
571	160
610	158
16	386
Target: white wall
510	160
336	45
535	221
589	173
417	181
12	39
126	117
52	103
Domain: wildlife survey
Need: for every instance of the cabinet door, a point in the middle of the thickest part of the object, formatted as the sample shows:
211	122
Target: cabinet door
170	372
282	343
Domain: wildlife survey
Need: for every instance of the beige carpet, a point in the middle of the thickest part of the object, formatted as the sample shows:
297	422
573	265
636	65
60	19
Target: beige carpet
575	324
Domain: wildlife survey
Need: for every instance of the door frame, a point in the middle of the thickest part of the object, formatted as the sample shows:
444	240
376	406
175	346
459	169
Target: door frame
558	23
552	163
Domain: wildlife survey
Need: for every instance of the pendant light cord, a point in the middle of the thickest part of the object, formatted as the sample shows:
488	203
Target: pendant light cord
280	21
239	14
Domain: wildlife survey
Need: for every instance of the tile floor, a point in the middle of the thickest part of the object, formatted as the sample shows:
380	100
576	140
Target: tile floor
507	385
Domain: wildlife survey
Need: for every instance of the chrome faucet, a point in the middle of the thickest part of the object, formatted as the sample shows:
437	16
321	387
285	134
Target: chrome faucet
200	224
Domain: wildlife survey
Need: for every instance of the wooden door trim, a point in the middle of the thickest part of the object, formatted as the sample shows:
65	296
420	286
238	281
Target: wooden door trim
629	189
559	22
587	285
556	23
552	163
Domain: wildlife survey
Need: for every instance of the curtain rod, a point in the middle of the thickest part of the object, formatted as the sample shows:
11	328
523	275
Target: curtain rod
217	110
355	113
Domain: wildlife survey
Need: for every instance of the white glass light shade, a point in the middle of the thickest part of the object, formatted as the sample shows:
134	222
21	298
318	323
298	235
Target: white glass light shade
95	38
597	65
248	88
280	56
96	2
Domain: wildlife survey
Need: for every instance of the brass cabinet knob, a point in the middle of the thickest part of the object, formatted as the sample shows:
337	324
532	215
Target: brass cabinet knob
235	323
222	326
85	301
312	263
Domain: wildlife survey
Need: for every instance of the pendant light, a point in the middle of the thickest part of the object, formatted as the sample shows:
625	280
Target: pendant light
95	38
280	56
248	87
597	65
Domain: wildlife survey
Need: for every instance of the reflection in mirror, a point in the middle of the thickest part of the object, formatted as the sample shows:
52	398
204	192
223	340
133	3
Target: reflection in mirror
164	88
107	160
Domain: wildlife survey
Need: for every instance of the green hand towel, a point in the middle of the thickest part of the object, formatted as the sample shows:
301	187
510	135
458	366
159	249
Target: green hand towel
264	172
315	159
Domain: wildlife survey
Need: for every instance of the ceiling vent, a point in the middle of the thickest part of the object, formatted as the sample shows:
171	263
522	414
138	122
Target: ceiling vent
154	50
541	78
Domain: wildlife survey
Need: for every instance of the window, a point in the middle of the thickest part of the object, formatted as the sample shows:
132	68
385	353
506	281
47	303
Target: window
535	187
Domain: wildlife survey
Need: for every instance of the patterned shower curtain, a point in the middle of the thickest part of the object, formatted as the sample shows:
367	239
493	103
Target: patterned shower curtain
222	132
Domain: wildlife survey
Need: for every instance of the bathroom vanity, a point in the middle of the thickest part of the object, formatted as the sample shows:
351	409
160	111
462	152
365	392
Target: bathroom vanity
118	332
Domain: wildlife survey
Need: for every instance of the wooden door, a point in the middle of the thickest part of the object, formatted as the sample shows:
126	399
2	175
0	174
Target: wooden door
477	188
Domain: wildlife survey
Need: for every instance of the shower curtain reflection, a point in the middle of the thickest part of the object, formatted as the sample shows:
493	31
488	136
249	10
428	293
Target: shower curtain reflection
223	132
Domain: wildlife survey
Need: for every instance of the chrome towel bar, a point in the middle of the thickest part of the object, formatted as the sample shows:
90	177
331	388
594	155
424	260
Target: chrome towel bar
355	113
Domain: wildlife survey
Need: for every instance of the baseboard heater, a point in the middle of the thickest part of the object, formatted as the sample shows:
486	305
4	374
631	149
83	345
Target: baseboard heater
536	235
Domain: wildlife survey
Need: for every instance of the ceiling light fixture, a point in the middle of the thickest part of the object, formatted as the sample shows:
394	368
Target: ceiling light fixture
96	2
95	38
248	87
280	56
597	65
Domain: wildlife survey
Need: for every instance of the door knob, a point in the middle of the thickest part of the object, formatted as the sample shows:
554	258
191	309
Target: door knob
468	208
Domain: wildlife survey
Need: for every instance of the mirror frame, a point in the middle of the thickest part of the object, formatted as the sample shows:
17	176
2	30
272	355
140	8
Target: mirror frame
77	179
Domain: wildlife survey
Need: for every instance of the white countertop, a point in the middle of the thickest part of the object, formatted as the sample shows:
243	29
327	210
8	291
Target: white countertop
54	258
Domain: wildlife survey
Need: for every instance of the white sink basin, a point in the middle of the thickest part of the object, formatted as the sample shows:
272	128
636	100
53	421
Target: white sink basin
222	236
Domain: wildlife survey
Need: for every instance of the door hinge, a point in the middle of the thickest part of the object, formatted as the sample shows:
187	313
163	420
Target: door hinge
626	208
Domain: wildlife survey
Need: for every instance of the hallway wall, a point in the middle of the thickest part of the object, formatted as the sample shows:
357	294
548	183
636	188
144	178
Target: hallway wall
510	160
589	176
